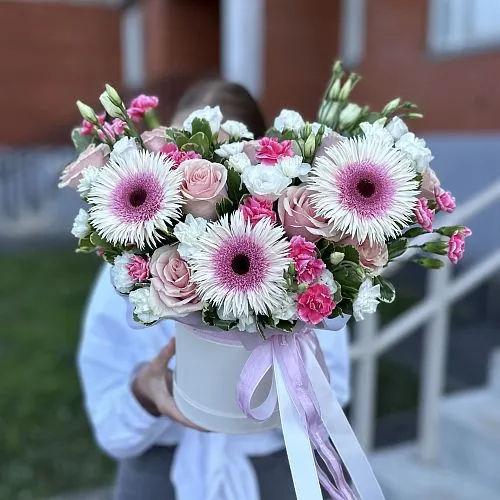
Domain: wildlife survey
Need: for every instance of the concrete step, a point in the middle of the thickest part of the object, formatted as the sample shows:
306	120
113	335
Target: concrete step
470	436
402	477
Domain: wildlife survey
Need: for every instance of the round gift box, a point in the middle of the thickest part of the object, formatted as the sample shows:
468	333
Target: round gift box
208	366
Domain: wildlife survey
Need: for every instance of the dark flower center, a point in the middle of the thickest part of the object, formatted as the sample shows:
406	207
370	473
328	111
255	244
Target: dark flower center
137	197
366	188
240	264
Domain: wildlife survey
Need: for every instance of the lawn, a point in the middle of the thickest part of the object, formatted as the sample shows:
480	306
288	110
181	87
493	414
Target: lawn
46	446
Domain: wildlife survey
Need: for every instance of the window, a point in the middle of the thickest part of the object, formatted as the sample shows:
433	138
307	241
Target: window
462	25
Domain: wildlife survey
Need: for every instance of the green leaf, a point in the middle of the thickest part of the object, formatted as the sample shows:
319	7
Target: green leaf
99	242
223	324
437	247
191	146
350	254
288	135
224	206
235	188
449	230
350	276
202	140
413	232
286	326
81	142
397	247
429	263
387	290
200	125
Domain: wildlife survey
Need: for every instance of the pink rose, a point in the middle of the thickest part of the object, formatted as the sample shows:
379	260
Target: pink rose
204	185
171	151
304	254
270	150
456	247
154	139
430	183
93	156
172	292
254	209
298	216
424	215
250	149
141	105
328	142
315	304
138	268
445	201
373	257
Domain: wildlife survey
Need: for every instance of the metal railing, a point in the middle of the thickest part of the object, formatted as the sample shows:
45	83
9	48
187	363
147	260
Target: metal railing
433	311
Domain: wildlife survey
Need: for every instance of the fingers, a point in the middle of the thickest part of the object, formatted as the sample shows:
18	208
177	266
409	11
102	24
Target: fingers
165	355
168	408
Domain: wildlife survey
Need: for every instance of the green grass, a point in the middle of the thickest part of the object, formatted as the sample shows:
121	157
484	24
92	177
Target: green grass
46	441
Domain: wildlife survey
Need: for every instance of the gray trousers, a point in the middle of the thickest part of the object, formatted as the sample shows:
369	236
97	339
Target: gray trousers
147	477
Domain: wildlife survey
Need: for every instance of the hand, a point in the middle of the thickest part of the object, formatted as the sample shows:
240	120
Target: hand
153	387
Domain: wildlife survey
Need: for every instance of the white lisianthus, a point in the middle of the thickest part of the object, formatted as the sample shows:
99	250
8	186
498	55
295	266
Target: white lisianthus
378	131
350	114
212	115
289	119
397	128
140	299
228	150
265	181
287	310
112	109
239	162
326	130
123	147
188	234
236	129
327	279
120	277
246	322
336	258
89	176
367	300
415	148
81	227
292	166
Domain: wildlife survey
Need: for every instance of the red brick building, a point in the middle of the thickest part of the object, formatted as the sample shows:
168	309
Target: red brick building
442	54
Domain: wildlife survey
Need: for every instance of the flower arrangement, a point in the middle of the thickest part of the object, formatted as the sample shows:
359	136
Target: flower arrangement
257	233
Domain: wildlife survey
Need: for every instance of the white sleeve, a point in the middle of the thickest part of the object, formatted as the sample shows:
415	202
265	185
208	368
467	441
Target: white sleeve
109	354
335	346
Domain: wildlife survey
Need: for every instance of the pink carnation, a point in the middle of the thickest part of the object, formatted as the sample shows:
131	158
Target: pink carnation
254	209
87	128
465	231
456	247
424	215
315	304
176	155
138	268
113	130
307	266
270	150
141	105
445	201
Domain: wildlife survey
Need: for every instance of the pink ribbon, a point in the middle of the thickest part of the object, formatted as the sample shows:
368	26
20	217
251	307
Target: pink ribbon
289	351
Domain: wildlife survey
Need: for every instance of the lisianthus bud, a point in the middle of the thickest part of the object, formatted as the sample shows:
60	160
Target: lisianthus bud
345	90
114	96
391	106
336	258
350	114
333	94
112	109
87	112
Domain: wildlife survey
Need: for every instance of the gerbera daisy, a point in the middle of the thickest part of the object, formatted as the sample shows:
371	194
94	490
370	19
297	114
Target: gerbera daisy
239	268
365	188
134	198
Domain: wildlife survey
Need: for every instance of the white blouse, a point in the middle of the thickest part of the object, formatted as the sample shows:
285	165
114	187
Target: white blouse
110	352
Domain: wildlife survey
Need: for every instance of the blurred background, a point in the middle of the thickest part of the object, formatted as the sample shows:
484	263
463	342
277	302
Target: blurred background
426	386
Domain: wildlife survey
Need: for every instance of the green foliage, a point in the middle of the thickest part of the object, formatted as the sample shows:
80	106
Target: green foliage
235	188
413	232
397	247
224	207
81	142
429	263
387	290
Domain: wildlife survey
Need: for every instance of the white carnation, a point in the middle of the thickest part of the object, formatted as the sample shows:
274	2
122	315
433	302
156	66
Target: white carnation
236	129
367	300
239	162
89	176
292	166
228	150
327	279
289	119
188	233
378	131
246	323
414	147
142	308
350	114
81	227
265	181
287	310
120	277
212	115
123	147
397	128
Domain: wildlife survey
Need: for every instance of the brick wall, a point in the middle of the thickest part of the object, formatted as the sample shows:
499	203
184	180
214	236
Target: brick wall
52	54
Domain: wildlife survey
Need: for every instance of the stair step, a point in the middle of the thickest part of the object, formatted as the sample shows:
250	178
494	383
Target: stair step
402	477
470	436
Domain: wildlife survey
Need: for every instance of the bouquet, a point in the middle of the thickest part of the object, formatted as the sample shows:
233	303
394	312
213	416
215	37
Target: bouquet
208	225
